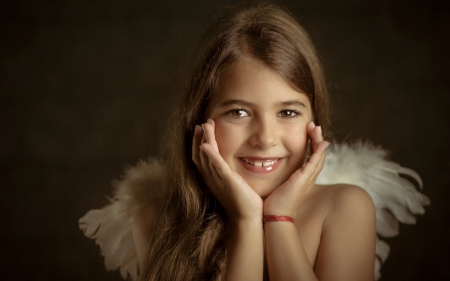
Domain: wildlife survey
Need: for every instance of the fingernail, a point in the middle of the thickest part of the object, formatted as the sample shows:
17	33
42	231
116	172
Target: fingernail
313	125
210	121
203	128
320	130
328	144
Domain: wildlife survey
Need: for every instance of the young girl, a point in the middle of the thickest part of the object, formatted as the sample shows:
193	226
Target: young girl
238	197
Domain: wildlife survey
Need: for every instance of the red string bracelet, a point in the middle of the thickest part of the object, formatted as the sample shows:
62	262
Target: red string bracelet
277	218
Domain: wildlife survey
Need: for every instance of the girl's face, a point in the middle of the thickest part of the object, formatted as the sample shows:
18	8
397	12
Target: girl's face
260	125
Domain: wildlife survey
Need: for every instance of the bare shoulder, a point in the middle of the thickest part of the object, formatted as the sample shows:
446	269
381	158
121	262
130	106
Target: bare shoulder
353	197
142	227
339	196
347	201
342	204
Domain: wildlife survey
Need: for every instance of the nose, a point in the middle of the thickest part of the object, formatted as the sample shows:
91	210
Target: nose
264	133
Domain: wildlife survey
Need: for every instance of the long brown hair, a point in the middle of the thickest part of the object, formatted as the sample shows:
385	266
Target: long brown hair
188	238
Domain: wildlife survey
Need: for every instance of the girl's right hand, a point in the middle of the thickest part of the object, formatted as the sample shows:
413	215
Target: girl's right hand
239	200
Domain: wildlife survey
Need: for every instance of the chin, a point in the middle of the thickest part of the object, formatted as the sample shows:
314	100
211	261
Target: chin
264	187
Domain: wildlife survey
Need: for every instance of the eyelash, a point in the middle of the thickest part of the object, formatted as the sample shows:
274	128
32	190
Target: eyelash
234	111
296	113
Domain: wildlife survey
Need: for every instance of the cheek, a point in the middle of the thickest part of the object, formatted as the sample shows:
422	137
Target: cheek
296	141
226	138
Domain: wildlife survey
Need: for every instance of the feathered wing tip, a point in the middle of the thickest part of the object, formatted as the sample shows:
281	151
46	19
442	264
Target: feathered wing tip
396	199
111	226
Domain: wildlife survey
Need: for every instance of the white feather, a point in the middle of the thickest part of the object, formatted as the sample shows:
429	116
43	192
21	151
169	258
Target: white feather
395	198
112	226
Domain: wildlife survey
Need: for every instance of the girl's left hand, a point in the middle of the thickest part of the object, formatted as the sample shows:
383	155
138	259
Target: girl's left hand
286	199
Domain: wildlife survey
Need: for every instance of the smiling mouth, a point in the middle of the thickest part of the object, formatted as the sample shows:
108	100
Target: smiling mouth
260	163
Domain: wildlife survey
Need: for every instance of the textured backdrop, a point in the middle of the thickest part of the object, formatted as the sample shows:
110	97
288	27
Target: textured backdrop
86	87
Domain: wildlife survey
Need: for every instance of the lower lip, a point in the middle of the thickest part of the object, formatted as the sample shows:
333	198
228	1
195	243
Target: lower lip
261	170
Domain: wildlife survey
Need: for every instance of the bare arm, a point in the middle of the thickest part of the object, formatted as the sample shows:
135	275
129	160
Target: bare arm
245	253
347	246
286	258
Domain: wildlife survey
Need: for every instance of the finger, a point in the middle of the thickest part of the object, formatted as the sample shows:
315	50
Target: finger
208	132
209	128
311	169
211	122
196	141
214	171
317	157
317	169
315	133
309	127
220	165
320	150
204	159
321	163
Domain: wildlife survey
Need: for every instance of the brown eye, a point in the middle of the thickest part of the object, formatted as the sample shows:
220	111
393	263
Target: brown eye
238	113
288	113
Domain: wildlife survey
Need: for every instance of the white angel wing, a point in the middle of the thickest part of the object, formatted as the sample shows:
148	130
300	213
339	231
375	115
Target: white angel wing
395	198
112	226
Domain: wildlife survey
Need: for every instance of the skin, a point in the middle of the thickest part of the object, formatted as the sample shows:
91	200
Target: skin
333	234
260	124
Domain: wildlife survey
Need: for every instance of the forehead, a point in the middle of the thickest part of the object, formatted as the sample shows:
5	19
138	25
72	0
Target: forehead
252	81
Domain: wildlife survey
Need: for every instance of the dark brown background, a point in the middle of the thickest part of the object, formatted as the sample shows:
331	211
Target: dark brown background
86	88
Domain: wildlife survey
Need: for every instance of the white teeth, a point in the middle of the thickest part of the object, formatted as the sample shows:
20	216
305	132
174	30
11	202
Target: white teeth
260	164
266	164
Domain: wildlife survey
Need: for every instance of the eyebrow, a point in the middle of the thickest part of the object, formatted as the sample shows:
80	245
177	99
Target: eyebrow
294	102
247	103
237	102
